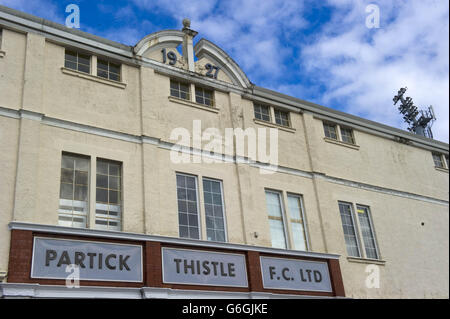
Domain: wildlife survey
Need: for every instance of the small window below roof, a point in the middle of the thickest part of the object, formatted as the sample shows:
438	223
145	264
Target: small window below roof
262	112
108	70
77	61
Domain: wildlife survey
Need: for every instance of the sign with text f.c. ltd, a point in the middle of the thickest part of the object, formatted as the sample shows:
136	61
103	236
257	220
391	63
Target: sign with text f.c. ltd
97	261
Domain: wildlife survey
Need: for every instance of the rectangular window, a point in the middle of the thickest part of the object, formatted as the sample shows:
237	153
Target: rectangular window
330	130
347	135
74	190
282	118
348	224
276	222
77	61
188	216
297	222
108	70
262	112
214	210
438	162
179	90
204	96
367	232
108	205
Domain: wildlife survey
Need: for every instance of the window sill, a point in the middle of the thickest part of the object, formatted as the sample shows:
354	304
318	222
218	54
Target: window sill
270	124
441	169
193	104
94	78
2	53
352	146
366	261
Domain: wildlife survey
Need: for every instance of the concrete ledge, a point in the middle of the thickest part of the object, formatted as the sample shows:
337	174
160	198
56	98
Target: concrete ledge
2	53
274	125
366	261
94	78
192	104
441	169
352	146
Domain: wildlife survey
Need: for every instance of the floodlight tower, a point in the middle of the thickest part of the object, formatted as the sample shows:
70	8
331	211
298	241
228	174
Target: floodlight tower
420	125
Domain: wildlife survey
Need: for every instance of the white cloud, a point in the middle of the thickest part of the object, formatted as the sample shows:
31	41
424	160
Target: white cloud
364	68
41	8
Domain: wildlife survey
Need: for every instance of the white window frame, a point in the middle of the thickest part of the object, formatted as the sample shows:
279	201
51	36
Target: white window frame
339	133
358	231
372	228
302	215
200	235
225	228
287	238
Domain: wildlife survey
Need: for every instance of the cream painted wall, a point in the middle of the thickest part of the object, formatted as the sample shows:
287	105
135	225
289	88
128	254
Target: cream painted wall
143	107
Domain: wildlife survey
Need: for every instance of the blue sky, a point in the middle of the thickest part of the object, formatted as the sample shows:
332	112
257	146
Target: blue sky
320	51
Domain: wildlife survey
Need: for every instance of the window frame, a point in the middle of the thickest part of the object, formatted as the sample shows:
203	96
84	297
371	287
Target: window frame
89	56
120	196
225	228
325	130
352	136
358	231
355	229
304	221
372	229
197	202
260	105
87	214
443	160
108	71
283	217
288	117
203	89
178	82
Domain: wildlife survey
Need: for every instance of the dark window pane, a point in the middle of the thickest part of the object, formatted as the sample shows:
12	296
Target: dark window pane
190	182
80	193
181	181
191	195
174	85
102	168
71	56
102	181
81	178
66	176
66	191
184	231
182	206
183	219
114	68
114	182
83	68
199	99
70	65
114	169
193	232
103	65
192	207
102	195
192	220
209	210
113	197
114	76
84	59
102	74
181	193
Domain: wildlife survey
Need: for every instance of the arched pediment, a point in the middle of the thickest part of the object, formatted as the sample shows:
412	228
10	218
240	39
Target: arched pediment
210	51
159	40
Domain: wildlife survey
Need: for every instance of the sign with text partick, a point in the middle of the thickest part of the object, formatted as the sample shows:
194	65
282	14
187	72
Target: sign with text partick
97	261
294	274
198	267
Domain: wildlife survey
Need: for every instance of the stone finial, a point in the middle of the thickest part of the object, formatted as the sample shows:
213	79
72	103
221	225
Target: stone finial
186	23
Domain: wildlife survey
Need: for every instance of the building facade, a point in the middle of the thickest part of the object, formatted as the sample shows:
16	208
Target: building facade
159	170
